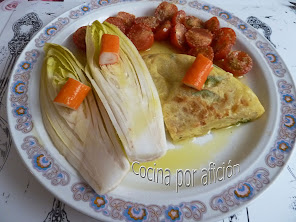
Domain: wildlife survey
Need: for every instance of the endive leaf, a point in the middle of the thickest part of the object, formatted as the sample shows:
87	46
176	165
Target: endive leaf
129	95
85	137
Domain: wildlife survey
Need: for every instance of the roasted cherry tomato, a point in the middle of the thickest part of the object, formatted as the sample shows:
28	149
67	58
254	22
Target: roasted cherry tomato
79	38
127	18
212	24
150	21
238	63
222	47
162	32
193	22
141	35
206	51
226	33
177	36
165	11
179	17
219	63
117	22
198	37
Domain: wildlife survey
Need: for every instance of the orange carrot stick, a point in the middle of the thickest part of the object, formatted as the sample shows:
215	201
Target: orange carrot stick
198	73
109	49
72	94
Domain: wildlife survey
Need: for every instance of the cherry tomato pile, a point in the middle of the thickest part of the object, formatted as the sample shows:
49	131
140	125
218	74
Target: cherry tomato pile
186	33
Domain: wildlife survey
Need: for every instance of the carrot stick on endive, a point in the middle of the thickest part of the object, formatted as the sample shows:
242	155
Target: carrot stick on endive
109	49
72	94
198	73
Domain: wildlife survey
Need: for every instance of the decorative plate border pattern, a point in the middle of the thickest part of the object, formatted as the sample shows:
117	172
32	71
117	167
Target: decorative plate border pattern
124	210
272	58
43	162
119	209
286	136
19	89
50	31
241	192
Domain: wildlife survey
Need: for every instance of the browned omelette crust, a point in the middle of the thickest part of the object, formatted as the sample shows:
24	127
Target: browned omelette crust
224	100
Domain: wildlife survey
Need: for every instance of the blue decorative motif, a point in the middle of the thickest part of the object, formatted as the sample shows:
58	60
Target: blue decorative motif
290	121
135	214
103	2
43	162
99	202
276	156
225	15
287	98
75	14
19	87
283	146
20	111
32	56
242	27
82	191
18	96
287	132
244	192
240	192
124	210
25	66
85	8
272	58
182	2
50	31
206	7
173	213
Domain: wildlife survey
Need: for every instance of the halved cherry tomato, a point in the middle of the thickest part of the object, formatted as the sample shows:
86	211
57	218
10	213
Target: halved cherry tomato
117	22
193	22
79	38
238	63
150	21
206	51
225	33
212	24
141	35
220	63
165	11
222	52
126	17
177	36
222	47
163	31
179	17
198	37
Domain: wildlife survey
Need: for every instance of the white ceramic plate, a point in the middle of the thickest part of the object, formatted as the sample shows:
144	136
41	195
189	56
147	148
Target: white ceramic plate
260	148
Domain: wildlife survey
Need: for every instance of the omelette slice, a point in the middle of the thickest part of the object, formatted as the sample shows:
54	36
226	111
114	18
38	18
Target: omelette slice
223	101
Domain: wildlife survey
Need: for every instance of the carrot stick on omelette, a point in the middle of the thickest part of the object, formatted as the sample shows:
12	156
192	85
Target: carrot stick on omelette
109	49
72	94
198	73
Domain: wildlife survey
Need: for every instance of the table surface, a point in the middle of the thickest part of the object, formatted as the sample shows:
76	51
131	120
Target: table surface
23	198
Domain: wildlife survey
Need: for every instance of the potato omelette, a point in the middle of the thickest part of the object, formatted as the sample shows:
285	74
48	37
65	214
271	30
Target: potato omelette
223	101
